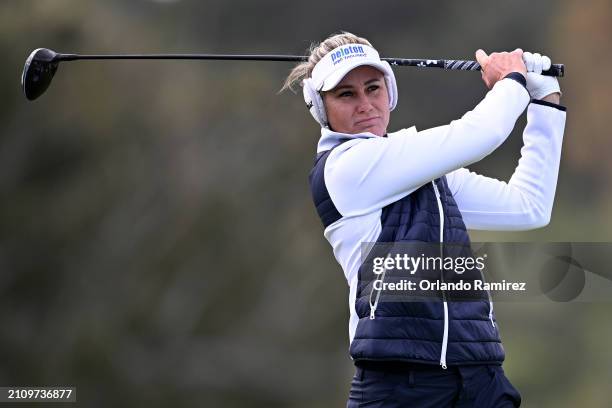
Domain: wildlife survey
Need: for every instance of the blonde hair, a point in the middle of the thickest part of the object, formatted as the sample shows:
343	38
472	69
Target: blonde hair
316	53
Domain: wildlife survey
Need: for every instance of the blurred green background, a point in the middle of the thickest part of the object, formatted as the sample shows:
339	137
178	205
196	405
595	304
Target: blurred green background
158	245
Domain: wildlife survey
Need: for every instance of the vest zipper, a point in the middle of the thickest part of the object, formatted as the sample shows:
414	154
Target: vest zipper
445	336
491	311
490	301
374	305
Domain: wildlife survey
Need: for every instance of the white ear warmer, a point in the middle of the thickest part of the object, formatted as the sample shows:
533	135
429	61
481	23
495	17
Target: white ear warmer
334	66
314	102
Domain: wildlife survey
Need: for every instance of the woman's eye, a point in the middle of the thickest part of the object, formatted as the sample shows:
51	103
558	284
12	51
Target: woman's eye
373	88
345	94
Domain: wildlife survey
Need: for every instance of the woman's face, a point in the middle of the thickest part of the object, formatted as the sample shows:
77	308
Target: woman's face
359	103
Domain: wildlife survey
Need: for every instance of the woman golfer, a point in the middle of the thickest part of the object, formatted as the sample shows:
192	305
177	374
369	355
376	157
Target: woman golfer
411	185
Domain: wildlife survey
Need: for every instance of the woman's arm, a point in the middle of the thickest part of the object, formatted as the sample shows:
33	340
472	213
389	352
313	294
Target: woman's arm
364	175
526	201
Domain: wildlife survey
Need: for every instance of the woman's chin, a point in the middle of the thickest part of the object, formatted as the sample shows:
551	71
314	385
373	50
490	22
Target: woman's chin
376	130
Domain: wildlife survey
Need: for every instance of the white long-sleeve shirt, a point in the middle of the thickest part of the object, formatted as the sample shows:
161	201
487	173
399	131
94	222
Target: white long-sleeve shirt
368	172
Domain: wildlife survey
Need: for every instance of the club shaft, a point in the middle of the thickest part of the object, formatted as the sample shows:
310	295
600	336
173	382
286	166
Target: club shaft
73	57
463	65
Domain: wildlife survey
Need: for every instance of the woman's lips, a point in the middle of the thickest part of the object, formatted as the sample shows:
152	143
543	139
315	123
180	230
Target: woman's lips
368	121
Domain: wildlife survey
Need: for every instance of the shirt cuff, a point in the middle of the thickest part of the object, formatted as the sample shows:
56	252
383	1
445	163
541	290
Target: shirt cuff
546	103
518	77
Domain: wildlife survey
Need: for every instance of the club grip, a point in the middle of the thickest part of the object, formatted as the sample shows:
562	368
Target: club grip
556	70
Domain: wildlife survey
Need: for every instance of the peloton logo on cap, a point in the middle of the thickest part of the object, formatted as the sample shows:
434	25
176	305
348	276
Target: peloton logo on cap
347	52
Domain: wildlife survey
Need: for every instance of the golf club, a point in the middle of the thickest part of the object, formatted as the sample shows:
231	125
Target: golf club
42	64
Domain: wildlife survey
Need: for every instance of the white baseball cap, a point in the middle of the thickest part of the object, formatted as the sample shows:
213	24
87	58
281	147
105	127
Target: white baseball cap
334	66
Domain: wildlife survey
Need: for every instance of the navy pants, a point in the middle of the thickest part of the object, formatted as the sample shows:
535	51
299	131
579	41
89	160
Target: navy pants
387	384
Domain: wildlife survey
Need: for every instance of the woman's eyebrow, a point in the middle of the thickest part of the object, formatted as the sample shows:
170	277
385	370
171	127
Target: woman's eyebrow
341	87
347	86
369	81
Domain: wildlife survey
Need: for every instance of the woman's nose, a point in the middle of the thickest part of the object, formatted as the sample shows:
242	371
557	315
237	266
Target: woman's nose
364	103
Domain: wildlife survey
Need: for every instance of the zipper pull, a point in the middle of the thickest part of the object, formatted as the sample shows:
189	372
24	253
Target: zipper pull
443	366
372	311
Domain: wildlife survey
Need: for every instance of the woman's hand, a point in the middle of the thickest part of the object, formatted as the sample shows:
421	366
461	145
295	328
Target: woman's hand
545	88
499	64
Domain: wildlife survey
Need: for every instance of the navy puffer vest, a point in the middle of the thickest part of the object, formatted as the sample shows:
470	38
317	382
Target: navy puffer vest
414	331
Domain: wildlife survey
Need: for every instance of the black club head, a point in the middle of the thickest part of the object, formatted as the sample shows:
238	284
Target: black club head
38	72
